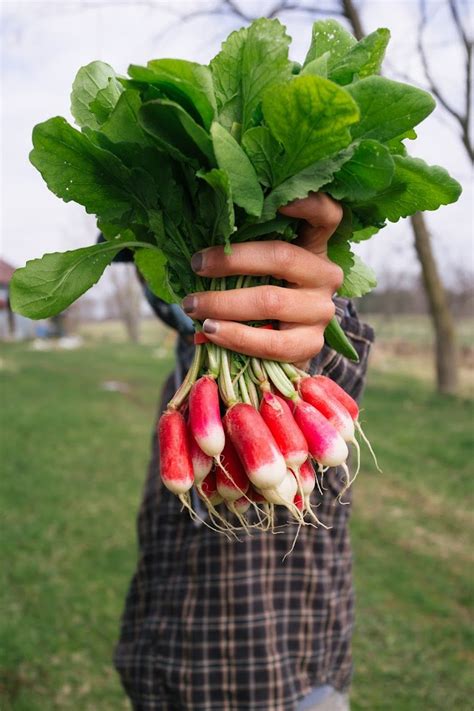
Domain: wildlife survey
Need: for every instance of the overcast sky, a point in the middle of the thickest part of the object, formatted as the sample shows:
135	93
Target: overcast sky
44	43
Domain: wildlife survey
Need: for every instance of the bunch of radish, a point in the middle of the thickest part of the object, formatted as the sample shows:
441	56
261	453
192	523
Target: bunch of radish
254	439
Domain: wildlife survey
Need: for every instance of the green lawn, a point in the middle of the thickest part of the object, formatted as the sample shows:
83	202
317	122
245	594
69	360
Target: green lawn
74	456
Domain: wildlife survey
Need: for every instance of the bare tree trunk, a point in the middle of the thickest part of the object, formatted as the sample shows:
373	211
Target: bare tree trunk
127	300
443	323
445	341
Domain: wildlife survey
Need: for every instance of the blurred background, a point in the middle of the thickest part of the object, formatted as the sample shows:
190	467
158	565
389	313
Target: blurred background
79	392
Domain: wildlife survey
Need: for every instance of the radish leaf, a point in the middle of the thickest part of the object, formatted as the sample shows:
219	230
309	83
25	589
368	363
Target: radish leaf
90	81
246	190
220	207
75	169
176	132
250	62
415	186
369	171
300	185
329	36
310	116
152	266
264	152
187	83
362	59
388	108
47	286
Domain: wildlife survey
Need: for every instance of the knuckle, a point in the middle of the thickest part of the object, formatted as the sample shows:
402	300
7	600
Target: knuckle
336	276
287	347
334	213
284	254
328	311
239	339
271	300
314	343
272	345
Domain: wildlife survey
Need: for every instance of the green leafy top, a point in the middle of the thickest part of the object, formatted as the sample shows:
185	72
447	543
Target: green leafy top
180	156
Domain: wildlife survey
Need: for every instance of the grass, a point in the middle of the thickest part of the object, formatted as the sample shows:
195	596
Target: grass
75	454
416	329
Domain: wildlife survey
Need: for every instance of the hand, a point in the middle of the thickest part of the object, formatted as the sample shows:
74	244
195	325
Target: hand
303	310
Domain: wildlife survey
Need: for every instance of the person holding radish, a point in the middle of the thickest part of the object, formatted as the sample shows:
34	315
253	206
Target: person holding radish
209	175
212	622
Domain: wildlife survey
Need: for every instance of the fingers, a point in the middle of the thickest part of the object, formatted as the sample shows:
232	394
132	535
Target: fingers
274	258
297	344
303	306
322	216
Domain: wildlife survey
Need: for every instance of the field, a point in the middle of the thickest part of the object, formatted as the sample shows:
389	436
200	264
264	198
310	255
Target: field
74	443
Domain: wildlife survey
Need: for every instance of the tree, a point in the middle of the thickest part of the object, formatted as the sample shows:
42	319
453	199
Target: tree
127	299
443	322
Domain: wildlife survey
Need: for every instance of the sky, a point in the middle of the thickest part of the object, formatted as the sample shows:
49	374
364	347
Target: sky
44	44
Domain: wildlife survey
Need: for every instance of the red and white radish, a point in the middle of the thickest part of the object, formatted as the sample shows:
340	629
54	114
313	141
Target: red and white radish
313	392
307	482
176	466
307	478
281	423
239	506
255	445
299	502
333	390
208	489
324	441
284	493
204	416
232	481
202	463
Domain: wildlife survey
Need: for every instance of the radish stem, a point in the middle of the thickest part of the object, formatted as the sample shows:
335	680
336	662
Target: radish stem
191	377
279	379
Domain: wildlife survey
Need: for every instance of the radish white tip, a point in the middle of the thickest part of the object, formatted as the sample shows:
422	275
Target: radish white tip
294	543
348	483
367	442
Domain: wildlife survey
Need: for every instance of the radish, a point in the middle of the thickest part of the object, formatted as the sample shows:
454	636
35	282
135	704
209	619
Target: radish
324	441
313	392
239	506
204	416
333	390
176	466
284	493
281	423
306	482
232	481
202	463
208	489
307	478
255	445
299	502
255	496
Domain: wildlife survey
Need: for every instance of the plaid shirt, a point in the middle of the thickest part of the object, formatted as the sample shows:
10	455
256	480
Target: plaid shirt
213	624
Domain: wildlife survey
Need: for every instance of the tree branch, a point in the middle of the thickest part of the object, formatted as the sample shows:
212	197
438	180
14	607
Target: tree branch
433	88
353	16
468	48
282	6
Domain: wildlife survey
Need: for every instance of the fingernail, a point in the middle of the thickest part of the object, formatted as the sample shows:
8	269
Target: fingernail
210	326
197	262
189	304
